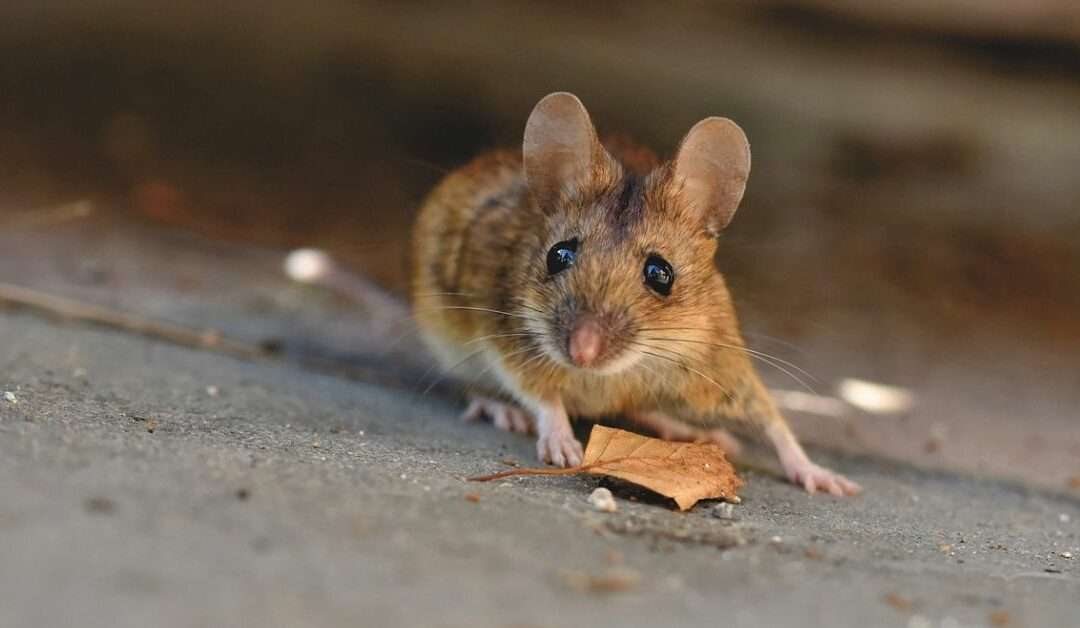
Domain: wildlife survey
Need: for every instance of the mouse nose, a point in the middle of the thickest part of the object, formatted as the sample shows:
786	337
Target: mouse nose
586	341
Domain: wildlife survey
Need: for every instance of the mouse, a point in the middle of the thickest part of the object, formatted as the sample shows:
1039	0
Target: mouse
575	277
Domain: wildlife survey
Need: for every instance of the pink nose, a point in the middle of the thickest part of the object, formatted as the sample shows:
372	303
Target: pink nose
586	341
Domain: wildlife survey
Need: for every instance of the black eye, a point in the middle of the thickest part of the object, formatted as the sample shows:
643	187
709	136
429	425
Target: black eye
659	275
561	256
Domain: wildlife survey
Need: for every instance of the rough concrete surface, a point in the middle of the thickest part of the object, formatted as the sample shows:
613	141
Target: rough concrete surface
143	483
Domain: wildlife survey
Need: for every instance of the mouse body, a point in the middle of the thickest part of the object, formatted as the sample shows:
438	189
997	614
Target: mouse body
574	279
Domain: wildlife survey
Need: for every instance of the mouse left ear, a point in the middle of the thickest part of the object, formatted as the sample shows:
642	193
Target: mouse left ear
710	171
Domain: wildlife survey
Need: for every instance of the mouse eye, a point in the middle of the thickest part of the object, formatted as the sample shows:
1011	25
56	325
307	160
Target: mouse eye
562	256
659	275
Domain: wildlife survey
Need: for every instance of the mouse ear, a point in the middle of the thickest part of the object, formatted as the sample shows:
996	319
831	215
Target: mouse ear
560	148
711	169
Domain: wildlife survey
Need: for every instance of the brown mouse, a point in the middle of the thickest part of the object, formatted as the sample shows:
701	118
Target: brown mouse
570	279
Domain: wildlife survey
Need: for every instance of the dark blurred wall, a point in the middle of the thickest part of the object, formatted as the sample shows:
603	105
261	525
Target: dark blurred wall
934	153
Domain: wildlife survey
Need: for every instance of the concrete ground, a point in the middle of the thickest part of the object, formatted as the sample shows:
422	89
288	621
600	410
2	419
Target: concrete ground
142	483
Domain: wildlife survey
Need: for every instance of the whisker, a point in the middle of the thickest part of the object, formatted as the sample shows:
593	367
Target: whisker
493	336
444	294
681	364
753	352
482	309
445	373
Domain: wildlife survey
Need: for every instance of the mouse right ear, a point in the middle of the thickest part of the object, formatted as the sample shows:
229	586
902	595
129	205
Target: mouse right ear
561	150
711	169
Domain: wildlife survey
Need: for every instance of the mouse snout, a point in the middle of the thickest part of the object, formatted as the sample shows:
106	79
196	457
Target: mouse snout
586	341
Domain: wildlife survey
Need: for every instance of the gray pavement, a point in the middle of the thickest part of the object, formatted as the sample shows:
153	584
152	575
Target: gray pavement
143	483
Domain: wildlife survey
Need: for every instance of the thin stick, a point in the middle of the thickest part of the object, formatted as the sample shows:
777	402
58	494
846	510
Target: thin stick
540	471
204	339
584	468
64	307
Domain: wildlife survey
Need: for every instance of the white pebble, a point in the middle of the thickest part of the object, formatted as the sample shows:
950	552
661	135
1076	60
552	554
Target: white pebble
307	265
10	397
1066	554
213	391
1063	517
602	500
724	511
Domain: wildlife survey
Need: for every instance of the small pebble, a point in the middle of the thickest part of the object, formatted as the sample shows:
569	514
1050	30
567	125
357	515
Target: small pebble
10	397
725	511
602	500
776	539
213	391
1064	517
1066	554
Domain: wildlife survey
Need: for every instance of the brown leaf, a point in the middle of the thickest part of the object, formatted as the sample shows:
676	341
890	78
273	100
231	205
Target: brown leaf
685	472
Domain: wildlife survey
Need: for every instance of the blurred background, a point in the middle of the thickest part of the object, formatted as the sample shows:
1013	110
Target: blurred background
911	218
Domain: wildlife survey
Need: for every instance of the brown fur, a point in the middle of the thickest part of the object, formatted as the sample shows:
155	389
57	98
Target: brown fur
481	242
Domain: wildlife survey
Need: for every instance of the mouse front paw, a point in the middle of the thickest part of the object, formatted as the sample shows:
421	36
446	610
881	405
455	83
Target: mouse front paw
560	448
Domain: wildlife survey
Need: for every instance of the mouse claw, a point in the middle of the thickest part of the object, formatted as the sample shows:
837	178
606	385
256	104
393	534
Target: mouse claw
813	478
560	449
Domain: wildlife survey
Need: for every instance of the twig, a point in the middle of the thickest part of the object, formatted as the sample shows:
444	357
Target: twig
64	307
583	468
205	339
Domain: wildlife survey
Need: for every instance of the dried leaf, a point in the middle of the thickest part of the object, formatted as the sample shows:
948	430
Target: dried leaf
685	472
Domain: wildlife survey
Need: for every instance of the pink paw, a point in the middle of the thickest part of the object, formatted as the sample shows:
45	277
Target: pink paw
560	448
505	416
813	478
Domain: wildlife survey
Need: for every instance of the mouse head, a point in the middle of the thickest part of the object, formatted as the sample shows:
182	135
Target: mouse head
623	268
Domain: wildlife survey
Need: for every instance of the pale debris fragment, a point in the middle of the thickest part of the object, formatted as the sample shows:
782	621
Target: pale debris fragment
602	500
10	397
875	398
308	265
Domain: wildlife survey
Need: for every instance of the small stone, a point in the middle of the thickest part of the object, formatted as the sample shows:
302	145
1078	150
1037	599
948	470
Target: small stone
724	511
602	500
1064	518
776	539
472	497
899	602
99	505
613	580
213	391
10	397
1066	554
